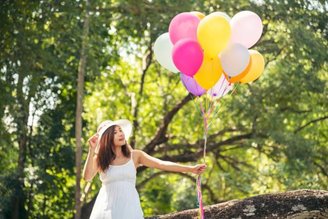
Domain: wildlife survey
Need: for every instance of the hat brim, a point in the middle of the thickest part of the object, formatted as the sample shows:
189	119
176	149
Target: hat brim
125	125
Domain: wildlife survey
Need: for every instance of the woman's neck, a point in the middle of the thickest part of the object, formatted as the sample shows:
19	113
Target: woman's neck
118	152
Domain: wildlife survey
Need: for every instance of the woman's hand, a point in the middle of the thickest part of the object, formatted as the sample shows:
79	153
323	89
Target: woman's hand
93	142
198	169
90	167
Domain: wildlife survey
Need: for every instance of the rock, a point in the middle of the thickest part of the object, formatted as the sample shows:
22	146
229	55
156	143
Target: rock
300	204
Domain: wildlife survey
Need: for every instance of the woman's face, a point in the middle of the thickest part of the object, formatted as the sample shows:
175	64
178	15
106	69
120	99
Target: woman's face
119	138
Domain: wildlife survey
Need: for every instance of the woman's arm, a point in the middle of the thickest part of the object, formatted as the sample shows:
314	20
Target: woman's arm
149	161
90	167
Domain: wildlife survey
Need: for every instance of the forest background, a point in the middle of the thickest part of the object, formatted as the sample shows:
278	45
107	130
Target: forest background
269	136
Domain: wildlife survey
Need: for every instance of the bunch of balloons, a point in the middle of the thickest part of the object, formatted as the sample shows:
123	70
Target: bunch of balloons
212	52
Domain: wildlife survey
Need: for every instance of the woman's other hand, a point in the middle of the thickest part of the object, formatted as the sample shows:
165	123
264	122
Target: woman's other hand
93	142
198	169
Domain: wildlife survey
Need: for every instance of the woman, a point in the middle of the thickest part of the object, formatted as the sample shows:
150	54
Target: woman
116	162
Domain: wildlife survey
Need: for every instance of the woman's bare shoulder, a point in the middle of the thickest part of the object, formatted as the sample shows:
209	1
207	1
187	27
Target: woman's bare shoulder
137	152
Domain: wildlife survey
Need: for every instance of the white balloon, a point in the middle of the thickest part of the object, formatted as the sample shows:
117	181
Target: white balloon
221	88
163	52
234	59
246	28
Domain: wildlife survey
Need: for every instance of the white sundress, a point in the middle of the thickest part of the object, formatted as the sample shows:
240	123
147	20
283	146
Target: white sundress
118	197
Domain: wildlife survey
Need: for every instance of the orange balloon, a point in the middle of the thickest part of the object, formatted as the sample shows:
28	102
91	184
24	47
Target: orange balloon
240	76
255	68
198	14
209	73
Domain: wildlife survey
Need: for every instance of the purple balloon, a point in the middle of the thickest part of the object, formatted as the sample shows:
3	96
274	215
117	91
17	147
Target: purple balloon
191	85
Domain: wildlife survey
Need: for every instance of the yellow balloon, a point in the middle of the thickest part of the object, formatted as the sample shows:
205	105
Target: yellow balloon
198	14
213	34
255	67
209	73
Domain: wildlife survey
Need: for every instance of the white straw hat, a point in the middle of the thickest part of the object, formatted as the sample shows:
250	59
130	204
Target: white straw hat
123	123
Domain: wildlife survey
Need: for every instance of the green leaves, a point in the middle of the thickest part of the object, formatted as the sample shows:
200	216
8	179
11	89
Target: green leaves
267	137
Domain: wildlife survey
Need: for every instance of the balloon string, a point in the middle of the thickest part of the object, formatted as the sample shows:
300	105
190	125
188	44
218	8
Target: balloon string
205	134
224	79
213	106
219	91
199	197
201	108
235	88
215	112
198	182
222	94
226	87
195	103
207	108
199	188
206	115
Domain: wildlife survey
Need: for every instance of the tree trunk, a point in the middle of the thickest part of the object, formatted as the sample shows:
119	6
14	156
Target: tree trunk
79	109
299	204
18	210
19	200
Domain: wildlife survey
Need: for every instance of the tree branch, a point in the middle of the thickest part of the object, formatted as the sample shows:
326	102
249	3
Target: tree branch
160	136
323	170
290	109
145	66
196	145
310	122
234	162
191	156
230	141
217	161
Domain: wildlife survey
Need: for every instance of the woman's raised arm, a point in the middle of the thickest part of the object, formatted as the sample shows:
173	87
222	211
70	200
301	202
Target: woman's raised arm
90	167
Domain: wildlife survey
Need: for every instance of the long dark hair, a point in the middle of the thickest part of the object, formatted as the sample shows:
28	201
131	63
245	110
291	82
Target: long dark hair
106	153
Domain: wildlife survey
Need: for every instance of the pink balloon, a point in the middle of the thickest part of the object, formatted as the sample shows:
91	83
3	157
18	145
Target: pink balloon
187	56
246	28
183	25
